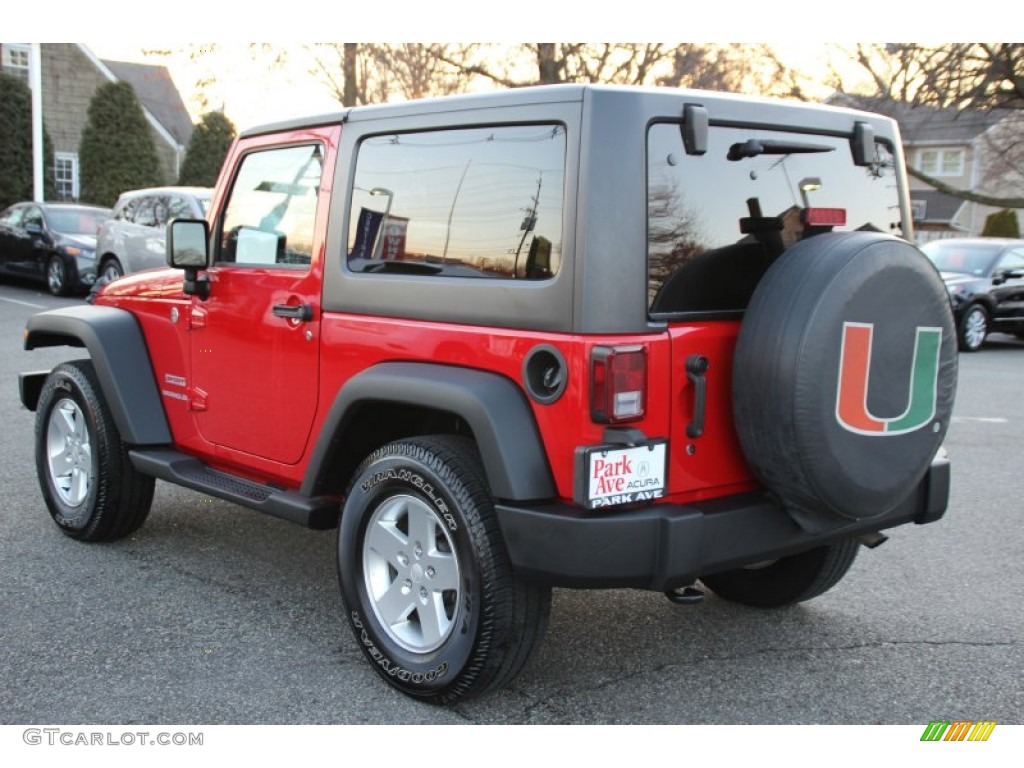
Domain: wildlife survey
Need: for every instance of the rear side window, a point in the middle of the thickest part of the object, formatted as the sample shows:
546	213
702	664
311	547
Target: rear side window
1013	261
476	203
716	222
178	207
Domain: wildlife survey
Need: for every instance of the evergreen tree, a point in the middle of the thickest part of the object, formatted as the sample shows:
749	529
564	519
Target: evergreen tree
207	149
117	151
16	183
1002	224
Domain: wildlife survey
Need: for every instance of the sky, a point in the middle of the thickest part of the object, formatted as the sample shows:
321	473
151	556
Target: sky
253	89
252	93
246	87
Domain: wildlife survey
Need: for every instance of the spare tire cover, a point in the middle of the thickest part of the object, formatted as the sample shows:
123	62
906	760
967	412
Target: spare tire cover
844	376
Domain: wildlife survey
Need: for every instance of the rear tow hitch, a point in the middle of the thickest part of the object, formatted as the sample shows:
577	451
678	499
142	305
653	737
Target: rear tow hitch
872	540
690	595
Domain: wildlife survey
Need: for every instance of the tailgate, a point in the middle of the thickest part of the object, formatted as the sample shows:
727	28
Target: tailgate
704	462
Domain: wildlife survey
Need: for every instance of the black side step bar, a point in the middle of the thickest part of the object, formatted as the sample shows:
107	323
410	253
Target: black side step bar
320	513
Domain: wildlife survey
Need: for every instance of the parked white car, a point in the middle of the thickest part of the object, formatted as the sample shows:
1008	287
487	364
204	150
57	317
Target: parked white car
134	238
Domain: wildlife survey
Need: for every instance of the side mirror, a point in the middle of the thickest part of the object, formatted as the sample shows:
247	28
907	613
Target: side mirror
188	248
34	228
188	244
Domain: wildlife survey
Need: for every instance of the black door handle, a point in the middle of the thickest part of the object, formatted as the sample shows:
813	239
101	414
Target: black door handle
301	312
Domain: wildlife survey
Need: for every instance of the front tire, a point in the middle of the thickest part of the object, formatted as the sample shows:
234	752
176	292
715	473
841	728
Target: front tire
425	578
57	279
788	580
111	270
90	486
973	328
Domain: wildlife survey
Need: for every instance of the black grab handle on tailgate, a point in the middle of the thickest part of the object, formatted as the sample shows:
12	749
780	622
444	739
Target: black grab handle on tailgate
696	367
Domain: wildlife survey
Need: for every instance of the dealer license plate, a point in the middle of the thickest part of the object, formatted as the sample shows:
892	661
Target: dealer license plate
616	476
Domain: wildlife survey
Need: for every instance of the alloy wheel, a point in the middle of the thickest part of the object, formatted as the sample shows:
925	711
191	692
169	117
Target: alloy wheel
411	573
69	453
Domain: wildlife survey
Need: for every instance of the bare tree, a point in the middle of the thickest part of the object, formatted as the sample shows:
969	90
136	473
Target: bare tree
746	68
955	76
372	73
345	68
967	75
416	70
962	76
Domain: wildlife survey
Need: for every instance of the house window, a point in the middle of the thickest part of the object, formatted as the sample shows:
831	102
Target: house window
65	171
941	162
16	61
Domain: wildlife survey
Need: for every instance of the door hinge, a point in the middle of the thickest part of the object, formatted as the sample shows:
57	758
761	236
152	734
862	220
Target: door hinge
197	318
196	399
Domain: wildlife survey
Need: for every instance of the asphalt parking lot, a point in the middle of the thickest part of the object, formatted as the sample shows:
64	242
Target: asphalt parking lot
214	614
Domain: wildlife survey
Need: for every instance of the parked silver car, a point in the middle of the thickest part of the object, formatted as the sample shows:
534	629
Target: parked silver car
133	239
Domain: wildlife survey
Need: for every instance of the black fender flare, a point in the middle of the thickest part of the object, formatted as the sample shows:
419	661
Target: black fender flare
984	299
121	359
493	406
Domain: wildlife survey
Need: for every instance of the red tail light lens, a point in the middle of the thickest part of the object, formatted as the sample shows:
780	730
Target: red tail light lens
618	384
825	217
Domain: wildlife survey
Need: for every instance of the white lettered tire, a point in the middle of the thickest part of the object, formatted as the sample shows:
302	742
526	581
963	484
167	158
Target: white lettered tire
88	482
425	578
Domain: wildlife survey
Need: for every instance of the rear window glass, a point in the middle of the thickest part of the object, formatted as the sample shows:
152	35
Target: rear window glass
477	202
715	224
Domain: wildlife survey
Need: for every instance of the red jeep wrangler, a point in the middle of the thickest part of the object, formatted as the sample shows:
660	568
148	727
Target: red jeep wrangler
574	336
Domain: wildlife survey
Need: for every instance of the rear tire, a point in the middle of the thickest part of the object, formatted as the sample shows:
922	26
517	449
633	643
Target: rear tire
90	486
788	580
425	577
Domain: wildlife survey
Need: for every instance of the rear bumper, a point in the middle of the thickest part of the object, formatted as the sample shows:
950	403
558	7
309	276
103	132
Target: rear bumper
670	545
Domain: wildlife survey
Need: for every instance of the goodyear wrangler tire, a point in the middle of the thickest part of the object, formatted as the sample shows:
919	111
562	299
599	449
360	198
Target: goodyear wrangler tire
844	376
425	578
88	482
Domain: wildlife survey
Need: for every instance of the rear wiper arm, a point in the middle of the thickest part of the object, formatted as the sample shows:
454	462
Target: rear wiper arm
755	147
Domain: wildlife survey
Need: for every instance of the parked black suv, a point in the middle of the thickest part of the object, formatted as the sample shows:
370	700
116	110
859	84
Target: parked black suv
985	280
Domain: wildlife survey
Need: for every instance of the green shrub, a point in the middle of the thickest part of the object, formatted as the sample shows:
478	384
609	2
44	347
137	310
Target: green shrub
206	151
117	152
1002	224
16	183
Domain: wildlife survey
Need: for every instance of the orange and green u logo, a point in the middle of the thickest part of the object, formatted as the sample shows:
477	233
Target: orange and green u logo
855	373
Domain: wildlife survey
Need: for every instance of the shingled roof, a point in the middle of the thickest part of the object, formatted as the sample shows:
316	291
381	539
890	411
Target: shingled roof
920	124
939	208
156	92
